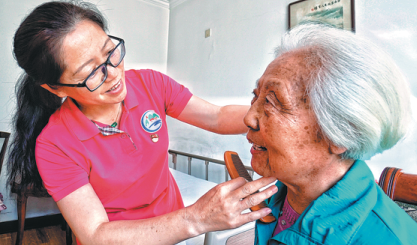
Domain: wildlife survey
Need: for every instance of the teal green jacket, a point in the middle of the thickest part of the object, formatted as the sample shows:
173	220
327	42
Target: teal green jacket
354	211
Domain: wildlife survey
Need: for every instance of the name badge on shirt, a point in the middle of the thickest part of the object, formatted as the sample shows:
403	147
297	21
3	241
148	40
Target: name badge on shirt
151	122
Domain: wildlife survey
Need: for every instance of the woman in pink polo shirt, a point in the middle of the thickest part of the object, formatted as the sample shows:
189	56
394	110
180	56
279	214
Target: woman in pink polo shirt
96	137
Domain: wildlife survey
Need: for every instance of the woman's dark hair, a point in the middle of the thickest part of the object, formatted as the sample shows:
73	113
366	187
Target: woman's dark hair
37	49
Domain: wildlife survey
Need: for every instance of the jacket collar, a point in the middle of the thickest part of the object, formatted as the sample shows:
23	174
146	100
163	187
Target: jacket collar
265	231
335	216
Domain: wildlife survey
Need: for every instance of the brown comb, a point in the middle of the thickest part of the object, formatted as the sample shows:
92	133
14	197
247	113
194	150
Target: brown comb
237	169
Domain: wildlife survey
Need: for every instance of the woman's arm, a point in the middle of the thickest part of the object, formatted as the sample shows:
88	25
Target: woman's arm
220	208
218	119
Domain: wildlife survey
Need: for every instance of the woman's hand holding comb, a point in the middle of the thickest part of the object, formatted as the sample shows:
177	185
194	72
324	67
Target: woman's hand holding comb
221	208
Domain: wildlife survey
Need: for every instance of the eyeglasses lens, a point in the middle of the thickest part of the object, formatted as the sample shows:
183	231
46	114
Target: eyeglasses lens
116	56
98	76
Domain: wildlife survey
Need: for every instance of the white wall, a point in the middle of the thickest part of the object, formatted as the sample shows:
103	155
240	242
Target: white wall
224	67
142	25
393	26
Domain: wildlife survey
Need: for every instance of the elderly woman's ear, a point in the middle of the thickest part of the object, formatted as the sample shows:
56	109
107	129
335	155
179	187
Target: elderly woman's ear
333	149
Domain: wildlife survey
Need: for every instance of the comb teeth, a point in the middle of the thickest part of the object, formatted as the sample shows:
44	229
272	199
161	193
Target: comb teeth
237	169
241	170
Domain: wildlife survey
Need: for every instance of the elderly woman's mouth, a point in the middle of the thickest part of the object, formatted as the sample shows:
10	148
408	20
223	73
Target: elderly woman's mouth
258	147
255	147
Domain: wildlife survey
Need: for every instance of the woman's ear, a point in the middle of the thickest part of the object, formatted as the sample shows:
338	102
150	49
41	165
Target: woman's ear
58	92
336	149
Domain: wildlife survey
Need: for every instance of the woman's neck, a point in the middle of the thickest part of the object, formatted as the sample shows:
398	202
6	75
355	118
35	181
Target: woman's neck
106	114
301	195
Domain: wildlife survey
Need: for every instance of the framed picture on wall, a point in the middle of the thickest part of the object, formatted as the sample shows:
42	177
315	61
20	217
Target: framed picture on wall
339	13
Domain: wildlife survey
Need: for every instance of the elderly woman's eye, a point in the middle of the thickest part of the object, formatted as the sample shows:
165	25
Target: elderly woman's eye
269	100
254	98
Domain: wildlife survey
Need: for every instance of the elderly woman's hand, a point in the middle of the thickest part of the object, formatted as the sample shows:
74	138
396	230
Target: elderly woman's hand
221	208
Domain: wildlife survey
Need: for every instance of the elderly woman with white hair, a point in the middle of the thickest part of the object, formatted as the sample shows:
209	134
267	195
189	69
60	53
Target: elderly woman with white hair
327	102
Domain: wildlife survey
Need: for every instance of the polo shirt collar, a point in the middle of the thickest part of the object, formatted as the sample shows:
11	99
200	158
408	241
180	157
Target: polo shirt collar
130	101
77	122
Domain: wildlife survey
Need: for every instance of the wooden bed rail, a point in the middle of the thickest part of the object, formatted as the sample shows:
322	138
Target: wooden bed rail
399	186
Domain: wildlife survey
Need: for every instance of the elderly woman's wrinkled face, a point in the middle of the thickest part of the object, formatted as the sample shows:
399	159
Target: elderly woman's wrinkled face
287	142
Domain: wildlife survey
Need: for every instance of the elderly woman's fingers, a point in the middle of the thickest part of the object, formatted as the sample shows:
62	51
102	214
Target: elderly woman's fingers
251	187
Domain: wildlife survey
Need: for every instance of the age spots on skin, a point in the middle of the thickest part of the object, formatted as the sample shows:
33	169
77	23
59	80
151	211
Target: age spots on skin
268	165
314	172
284	71
266	130
303	144
320	136
306	128
275	85
304	99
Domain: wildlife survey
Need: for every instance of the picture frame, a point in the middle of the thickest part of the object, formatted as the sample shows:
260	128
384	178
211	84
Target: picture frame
340	13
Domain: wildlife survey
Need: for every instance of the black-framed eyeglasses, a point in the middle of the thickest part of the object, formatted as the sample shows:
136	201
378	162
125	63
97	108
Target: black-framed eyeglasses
99	75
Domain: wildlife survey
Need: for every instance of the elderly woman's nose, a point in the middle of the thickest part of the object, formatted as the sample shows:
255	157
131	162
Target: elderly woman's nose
251	118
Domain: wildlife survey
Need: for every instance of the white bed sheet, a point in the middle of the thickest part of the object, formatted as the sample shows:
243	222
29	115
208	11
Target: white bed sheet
192	189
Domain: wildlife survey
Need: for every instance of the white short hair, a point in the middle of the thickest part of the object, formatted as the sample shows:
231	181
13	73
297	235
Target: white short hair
359	95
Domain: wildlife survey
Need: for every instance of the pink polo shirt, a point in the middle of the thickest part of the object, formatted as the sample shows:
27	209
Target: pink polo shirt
128	171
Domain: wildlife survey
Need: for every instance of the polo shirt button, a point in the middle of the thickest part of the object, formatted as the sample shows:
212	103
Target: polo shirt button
123	136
